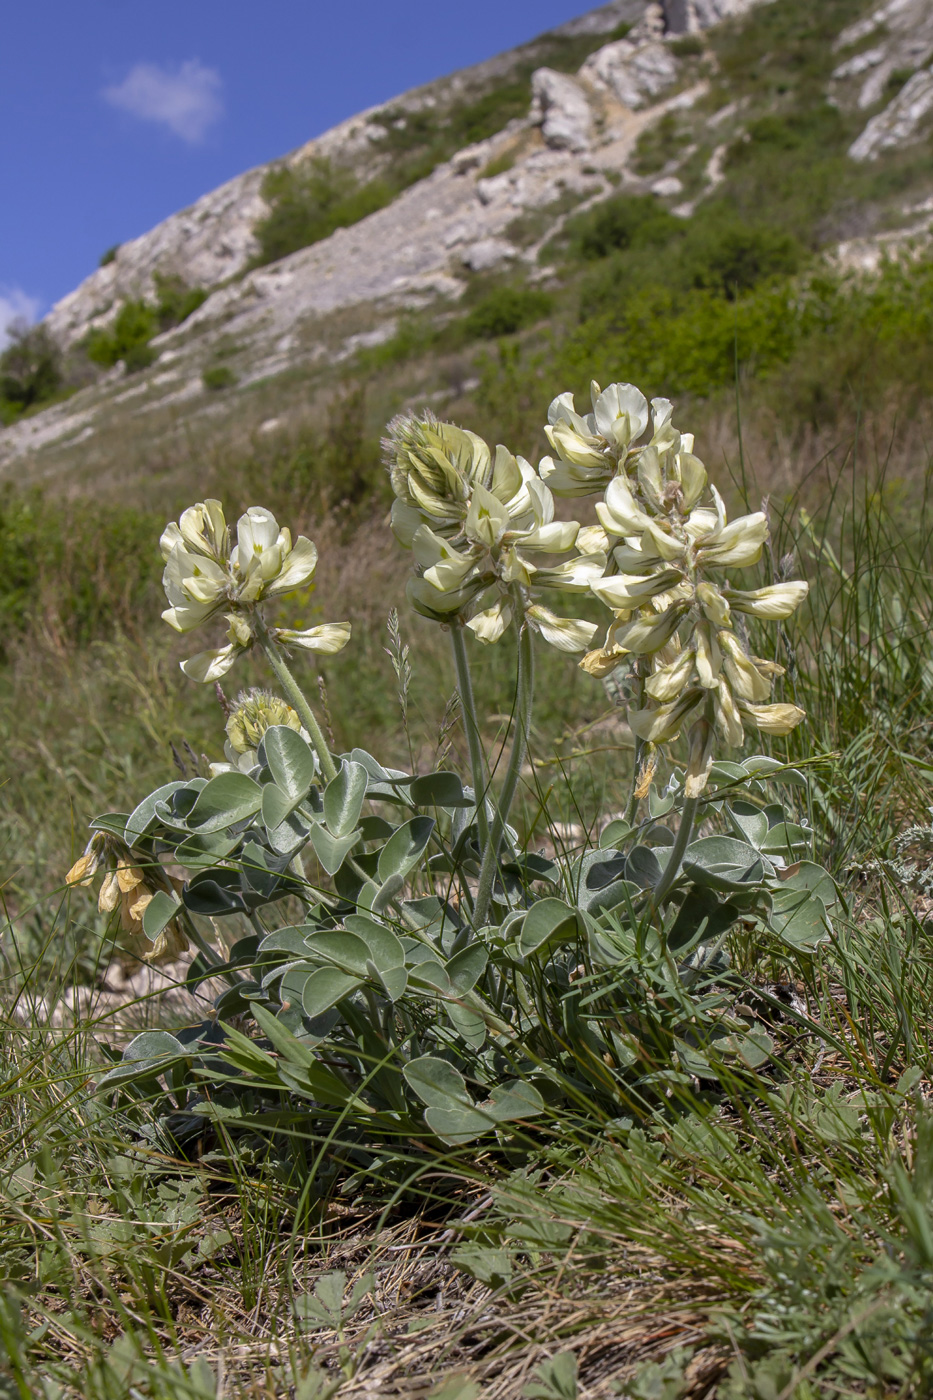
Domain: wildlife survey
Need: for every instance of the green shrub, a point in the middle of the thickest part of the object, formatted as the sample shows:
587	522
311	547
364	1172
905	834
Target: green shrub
309	204
78	572
176	300
730	257
109	256
689	46
135	325
619	223
659	143
217	377
30	369
506	310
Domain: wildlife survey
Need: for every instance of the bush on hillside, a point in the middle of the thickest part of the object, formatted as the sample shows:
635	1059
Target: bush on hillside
137	321
505	310
624	221
30	369
309	203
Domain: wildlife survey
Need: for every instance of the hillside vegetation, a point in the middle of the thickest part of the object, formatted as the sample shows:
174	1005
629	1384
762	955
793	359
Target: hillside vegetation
750	1227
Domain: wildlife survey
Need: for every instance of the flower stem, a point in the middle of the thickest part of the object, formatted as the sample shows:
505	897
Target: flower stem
675	860
631	809
471	729
296	695
524	699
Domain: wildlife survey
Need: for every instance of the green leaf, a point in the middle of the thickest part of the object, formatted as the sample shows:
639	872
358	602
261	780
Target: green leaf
614	834
751	824
144	817
205	848
290	760
432	974
468	1024
114	823
376	828
466	968
158	913
490	1265
506	1104
403	850
441	789
723	863
324	988
394	980
277	806
330	850
786	839
344	949
547	922
763	766
150	1054
436	1082
800	918
701	916
554	1379
384	947
225	800
642	867
343	798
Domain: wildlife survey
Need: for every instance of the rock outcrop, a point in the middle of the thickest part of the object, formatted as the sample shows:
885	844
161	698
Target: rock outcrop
902	31
560	107
634	73
900	121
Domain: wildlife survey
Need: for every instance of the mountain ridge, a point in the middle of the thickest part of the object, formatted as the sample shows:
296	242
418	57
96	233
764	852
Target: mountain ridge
575	144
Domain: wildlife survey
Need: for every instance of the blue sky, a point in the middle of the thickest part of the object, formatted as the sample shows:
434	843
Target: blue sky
116	113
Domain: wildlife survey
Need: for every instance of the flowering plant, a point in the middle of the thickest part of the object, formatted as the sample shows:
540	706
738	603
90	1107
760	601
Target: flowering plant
428	985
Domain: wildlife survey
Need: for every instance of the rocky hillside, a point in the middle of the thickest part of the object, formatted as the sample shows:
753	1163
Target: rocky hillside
470	177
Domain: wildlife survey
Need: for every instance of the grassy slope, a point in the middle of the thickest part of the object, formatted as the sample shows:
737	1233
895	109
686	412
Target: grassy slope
778	1245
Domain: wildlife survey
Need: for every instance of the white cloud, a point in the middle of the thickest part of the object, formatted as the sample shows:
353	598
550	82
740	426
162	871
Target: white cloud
15	305
186	99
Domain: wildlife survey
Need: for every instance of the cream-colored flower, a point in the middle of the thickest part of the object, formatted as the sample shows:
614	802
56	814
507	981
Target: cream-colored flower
204	576
256	711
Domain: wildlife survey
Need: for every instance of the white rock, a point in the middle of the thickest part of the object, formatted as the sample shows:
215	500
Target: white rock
905	43
869	58
560	107
633	74
668	187
494	187
900	120
712	11
487	254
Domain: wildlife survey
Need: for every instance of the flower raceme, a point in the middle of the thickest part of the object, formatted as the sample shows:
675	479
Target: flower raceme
665	545
481	527
207	574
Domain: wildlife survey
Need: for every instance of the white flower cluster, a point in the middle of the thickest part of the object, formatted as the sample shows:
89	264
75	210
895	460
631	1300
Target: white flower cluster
668	543
481	527
478	526
205	575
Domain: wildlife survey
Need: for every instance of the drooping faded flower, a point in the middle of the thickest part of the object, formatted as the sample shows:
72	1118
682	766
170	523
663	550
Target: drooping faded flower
128	888
206	575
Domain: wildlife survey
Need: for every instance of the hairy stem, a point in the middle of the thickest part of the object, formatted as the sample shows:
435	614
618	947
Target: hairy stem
631	809
471	729
524	699
296	696
681	842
